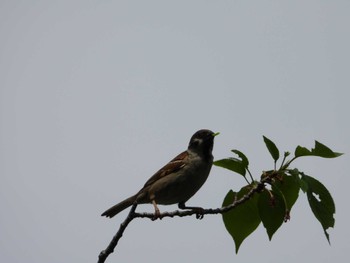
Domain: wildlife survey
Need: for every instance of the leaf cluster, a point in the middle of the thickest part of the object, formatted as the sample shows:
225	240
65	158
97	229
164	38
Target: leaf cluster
273	204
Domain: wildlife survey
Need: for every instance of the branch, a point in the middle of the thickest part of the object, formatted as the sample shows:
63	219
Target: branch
105	253
132	215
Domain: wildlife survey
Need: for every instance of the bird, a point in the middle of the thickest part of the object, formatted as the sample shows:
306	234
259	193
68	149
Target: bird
178	180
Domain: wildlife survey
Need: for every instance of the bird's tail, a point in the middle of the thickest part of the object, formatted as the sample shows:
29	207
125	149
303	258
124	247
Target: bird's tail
119	207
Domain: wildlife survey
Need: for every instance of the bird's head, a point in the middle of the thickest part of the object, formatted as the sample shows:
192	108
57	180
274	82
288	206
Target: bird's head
202	142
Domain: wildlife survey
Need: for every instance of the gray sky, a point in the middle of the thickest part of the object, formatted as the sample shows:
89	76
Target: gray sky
95	96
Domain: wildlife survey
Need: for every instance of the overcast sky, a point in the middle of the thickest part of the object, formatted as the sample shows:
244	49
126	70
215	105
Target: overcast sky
95	96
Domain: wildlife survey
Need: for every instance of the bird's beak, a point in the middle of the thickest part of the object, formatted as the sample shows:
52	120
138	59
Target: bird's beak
215	134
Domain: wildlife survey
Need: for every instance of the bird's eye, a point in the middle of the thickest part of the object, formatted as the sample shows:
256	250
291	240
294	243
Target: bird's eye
196	142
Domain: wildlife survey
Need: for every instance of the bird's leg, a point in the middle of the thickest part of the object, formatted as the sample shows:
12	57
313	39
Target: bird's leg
156	210
199	210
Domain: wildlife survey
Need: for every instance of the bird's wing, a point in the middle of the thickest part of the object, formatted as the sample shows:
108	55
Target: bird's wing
174	165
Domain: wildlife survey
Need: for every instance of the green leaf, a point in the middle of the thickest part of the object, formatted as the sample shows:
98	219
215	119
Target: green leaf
321	203
232	164
320	150
272	211
241	155
302	151
241	221
289	187
295	173
272	148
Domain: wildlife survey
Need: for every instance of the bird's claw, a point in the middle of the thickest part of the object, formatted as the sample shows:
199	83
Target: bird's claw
157	215
199	213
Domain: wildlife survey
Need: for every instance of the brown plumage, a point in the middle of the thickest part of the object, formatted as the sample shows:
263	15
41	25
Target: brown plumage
178	180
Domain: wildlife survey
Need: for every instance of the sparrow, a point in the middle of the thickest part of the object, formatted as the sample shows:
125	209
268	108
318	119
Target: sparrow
178	180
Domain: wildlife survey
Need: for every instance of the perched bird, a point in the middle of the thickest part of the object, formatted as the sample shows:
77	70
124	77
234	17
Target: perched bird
178	180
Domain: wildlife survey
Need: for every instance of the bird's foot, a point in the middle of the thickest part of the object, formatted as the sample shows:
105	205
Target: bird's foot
199	212
157	214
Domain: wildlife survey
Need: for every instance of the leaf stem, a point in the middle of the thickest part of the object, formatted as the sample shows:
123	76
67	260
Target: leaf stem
288	163
250	174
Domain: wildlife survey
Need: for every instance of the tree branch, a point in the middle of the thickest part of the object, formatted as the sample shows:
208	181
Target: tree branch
132	215
114	242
